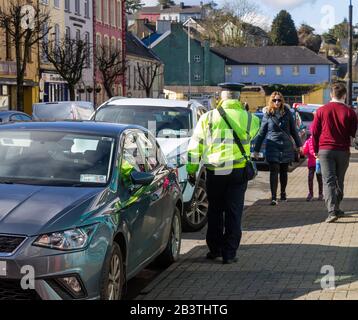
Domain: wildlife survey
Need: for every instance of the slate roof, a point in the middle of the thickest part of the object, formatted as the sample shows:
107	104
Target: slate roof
171	9
136	47
271	55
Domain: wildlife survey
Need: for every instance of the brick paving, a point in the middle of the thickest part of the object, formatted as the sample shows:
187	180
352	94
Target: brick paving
281	256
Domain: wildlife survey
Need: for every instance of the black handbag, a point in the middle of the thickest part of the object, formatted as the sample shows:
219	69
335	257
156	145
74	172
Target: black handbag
250	171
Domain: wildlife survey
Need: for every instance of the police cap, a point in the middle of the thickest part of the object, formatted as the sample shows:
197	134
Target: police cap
231	86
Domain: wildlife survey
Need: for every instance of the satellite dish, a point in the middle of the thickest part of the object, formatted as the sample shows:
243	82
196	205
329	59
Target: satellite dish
28	17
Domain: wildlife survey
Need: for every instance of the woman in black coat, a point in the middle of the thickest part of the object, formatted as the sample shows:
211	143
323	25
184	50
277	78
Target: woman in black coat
278	125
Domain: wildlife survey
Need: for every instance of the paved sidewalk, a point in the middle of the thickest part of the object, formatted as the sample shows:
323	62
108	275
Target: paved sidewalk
283	251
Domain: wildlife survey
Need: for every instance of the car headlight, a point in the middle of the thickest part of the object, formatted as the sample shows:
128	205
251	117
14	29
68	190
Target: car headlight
66	240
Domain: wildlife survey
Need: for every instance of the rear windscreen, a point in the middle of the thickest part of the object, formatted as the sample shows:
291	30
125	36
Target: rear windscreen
52	112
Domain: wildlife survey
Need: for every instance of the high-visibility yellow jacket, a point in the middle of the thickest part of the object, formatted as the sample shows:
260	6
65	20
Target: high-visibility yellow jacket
213	142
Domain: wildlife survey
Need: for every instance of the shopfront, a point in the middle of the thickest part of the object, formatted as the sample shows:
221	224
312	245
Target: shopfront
53	88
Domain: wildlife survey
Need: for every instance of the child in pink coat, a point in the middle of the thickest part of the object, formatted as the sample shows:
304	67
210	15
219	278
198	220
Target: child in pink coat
309	152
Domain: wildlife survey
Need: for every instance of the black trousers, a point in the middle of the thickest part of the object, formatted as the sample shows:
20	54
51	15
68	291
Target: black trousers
278	169
226	195
311	174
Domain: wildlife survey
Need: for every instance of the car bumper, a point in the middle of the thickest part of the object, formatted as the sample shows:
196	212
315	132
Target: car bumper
37	273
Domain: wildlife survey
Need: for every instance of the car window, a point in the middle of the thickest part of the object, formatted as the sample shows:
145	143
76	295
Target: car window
306	116
166	121
149	149
16	117
132	158
298	121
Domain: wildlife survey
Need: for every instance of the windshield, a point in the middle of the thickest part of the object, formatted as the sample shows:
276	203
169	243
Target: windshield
306	116
164	121
55	158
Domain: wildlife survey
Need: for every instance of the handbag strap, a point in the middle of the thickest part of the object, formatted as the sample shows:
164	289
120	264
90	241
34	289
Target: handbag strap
275	121
236	137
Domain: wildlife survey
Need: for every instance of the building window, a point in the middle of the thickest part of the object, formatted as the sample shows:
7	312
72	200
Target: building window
56	4
119	14
78	35
45	2
312	70
279	71
98	44
262	71
57	36
8	46
105	11
113	12
113	45
295	70
87	8
245	71
197	77
88	50
197	59
106	45
228	71
77	7
99	10
67	5
68	33
129	77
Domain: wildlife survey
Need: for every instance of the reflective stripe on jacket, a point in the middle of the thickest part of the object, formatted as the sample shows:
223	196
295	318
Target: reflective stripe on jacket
213	142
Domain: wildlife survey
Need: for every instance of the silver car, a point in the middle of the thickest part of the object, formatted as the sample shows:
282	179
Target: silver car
172	122
64	110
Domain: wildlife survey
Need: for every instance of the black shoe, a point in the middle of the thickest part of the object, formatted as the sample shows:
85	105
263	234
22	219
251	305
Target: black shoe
283	196
230	261
331	218
212	256
340	213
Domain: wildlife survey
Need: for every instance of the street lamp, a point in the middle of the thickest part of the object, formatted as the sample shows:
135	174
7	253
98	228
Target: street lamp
350	54
189	62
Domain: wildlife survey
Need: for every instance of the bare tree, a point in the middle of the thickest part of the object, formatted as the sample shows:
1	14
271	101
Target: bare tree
112	67
147	73
25	26
69	57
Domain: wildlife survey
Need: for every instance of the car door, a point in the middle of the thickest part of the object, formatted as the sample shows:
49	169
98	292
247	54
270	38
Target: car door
135	203
161	206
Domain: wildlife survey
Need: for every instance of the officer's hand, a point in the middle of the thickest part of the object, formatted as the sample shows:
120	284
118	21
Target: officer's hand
192	179
256	155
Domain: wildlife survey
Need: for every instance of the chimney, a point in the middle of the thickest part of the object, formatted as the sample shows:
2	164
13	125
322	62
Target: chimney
182	5
163	26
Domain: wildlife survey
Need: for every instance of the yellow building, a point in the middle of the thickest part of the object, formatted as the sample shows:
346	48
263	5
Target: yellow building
8	72
54	88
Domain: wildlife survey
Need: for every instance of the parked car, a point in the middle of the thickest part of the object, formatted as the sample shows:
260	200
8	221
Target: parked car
300	127
172	121
86	205
13	116
65	110
306	112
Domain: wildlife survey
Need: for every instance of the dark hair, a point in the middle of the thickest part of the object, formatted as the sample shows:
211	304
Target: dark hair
338	90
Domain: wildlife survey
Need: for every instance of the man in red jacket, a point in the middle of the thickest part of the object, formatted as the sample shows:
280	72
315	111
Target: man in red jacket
332	129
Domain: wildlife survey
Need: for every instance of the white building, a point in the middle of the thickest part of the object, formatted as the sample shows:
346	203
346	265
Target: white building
79	24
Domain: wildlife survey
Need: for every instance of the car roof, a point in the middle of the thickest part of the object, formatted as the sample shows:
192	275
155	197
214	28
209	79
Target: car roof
79	103
9	112
149	102
85	127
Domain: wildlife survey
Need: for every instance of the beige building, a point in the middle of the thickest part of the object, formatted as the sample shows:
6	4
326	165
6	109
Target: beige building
152	69
54	87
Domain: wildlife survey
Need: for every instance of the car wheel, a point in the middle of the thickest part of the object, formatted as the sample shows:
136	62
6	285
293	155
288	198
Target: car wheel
113	275
196	213
172	250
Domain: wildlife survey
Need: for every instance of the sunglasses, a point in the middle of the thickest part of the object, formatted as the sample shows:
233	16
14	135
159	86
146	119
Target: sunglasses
276	100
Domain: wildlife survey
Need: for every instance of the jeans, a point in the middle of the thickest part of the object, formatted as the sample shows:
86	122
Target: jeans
275	170
334	165
226	195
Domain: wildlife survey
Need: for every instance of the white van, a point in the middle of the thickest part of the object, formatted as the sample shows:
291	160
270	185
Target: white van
64	110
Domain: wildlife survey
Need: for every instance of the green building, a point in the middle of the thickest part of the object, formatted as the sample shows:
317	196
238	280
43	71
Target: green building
207	69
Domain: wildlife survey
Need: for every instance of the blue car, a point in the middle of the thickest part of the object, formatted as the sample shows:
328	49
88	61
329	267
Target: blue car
302	132
83	208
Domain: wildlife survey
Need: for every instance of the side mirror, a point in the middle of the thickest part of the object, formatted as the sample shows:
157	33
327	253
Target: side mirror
142	178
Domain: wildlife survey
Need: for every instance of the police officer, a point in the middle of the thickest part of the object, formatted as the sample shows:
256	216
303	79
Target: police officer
213	144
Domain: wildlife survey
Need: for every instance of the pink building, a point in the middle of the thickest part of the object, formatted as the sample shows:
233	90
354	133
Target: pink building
109	30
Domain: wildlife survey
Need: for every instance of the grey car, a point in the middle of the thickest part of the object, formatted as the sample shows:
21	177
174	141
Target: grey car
13	116
83	208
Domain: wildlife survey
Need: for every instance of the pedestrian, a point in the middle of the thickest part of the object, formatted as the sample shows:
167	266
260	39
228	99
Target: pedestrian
278	126
333	126
215	142
312	163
